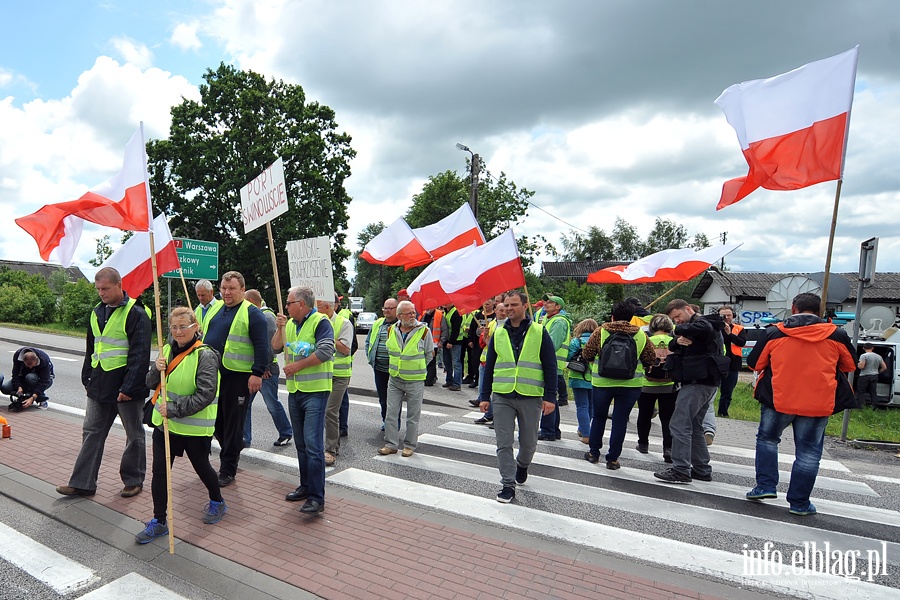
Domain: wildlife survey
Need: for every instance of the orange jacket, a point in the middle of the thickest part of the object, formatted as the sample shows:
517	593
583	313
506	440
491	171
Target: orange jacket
803	362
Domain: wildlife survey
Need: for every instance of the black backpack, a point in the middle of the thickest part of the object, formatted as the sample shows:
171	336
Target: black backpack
618	356
354	344
657	371
579	364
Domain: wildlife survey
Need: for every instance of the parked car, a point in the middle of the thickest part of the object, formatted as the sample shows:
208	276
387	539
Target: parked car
754	334
364	322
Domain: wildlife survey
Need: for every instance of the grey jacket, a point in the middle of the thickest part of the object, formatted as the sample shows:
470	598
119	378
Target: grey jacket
207	385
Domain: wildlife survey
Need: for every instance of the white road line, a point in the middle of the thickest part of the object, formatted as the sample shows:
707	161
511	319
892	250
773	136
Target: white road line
56	358
715	519
47	566
823	482
866	514
667	553
132	586
717	448
893	480
378	406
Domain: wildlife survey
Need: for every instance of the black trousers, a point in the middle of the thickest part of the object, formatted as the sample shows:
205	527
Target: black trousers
646	402
233	394
197	450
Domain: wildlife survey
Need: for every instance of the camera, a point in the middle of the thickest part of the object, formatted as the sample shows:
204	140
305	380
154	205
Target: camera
17	401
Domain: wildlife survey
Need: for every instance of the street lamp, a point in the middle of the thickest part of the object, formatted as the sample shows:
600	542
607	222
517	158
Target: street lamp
473	185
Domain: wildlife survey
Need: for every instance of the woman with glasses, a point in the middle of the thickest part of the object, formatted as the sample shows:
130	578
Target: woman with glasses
192	390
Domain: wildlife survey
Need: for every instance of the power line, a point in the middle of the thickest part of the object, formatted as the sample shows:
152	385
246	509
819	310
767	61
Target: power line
491	175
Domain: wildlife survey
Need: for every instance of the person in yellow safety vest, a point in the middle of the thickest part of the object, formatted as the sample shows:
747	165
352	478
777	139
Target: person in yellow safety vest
455	340
115	364
269	389
191	403
520	370
642	316
205	302
308	342
343	369
484	395
559	326
411	348
237	330
616	344
735	339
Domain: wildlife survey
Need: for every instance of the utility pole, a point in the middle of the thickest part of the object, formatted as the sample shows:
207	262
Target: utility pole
723	237
473	192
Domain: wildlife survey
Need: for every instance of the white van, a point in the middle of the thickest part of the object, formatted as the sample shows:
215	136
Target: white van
357	304
888	390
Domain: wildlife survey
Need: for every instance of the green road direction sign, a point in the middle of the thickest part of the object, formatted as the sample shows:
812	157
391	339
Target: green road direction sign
199	259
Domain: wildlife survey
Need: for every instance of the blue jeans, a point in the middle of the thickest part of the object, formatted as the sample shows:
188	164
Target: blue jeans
308	415
454	374
809	437
345	412
584	409
727	386
625	398
269	391
484	395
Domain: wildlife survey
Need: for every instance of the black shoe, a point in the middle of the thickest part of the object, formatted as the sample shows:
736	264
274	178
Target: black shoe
454	388
521	474
490	425
592	458
474	384
725	415
344	433
562	403
445	385
427	384
546	438
311	507
673	476
699	477
225	480
613	465
506	495
667	455
301	493
282	441
643	448
483	421
467	380
474	403
558	436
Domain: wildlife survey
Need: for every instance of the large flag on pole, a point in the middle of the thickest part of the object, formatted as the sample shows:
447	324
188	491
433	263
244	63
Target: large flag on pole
465	278
395	246
792	127
458	230
123	202
668	265
132	260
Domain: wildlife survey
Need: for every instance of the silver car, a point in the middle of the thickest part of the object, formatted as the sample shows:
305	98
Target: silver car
364	322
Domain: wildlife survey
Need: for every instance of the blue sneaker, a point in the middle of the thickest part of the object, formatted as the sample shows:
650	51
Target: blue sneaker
153	530
760	494
804	512
214	512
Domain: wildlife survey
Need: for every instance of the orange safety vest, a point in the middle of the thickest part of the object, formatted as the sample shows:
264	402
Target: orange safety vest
436	327
735	330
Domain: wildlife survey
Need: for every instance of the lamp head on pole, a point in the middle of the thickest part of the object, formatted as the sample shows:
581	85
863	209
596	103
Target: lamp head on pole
463	147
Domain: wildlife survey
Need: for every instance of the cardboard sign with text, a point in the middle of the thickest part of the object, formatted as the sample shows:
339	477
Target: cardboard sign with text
309	262
264	198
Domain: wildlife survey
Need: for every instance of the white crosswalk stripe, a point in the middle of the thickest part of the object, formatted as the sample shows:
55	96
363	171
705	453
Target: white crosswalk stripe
463	451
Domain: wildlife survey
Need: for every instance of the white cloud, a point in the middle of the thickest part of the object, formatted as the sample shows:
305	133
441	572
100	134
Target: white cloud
185	36
133	52
52	151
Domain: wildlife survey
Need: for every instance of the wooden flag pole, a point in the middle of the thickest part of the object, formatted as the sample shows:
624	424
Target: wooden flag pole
186	294
834	215
162	395
673	288
274	267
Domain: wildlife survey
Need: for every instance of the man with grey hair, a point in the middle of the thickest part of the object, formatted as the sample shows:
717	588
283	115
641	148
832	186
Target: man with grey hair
308	342
411	348
343	361
205	302
269	389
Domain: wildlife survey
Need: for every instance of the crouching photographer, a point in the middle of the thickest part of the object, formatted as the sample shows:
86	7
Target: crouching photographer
32	375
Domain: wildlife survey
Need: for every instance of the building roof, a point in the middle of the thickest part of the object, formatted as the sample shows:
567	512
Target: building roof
577	270
43	269
739	285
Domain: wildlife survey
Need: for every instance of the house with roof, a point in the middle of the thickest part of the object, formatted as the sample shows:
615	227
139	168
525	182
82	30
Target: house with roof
42	269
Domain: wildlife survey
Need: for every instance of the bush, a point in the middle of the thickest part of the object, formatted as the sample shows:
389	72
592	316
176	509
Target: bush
77	302
25	298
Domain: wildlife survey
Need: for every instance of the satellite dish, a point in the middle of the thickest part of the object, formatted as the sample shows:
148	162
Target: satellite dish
838	286
782	293
876	319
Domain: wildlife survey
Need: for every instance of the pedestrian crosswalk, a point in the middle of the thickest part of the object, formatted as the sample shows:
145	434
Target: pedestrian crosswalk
66	577
705	528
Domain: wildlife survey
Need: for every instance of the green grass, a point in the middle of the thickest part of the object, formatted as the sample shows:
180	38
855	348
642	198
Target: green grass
865	423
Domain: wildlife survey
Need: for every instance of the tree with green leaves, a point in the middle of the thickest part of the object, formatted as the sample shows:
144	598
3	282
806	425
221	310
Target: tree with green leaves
241	125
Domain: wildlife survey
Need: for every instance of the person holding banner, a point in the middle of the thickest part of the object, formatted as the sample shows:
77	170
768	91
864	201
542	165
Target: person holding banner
205	302
192	389
308	342
115	362
237	331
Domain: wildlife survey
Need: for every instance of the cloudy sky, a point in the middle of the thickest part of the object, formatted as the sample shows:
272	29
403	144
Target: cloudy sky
604	108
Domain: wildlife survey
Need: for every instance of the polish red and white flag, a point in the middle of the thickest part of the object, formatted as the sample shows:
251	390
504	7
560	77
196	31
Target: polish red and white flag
132	260
458	230
792	127
396	246
467	277
679	264
123	202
